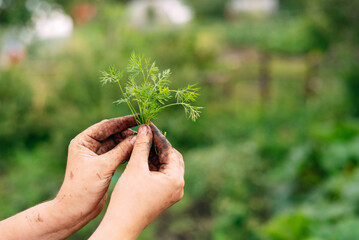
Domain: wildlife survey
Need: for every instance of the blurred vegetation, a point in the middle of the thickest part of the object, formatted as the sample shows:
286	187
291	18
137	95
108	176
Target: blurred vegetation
209	9
275	153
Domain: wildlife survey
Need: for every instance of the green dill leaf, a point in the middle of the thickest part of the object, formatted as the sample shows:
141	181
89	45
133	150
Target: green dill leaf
111	76
120	101
148	89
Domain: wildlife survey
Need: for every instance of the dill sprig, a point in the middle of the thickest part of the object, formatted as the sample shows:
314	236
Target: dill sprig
146	91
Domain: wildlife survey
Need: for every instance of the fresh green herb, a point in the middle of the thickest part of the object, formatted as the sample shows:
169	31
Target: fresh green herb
147	87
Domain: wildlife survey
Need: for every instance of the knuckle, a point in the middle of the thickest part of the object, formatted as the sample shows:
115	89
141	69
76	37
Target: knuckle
181	162
73	142
123	147
179	183
182	183
178	196
181	195
123	151
142	143
179	155
104	121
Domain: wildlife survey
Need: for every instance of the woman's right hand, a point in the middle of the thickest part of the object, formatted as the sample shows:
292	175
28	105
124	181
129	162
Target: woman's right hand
141	195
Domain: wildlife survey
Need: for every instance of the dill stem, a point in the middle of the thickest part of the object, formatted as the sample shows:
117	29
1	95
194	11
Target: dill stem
149	72
132	109
174	104
143	72
141	113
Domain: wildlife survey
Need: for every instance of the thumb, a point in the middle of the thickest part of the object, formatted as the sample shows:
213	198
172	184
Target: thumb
141	148
119	153
163	145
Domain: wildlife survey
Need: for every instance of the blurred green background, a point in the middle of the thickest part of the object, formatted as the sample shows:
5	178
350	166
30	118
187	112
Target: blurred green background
275	153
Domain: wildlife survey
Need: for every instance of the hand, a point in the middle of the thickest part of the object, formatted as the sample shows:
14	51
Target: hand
93	157
141	195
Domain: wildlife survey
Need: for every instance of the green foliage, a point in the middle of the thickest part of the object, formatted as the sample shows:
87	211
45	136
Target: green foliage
351	78
287	169
288	226
148	87
17	102
12	108
347	229
209	9
20	12
293	6
337	17
287	35
14	12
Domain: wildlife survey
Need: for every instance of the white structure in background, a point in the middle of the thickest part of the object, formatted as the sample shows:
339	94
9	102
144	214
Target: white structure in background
53	25
253	6
49	24
145	13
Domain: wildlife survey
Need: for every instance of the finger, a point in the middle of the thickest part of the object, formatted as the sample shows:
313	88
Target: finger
153	161
106	146
119	153
118	137
162	144
174	165
113	140
104	129
141	148
171	160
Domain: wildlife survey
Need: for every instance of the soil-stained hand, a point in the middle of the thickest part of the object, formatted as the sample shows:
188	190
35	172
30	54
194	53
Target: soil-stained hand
140	194
93	157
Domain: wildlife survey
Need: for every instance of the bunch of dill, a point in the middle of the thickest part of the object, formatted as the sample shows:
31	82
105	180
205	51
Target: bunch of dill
147	87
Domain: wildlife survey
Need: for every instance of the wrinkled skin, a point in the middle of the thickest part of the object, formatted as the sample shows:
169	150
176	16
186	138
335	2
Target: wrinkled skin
93	157
141	194
145	189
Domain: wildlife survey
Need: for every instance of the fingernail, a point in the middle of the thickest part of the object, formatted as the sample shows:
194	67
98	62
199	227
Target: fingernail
142	130
133	140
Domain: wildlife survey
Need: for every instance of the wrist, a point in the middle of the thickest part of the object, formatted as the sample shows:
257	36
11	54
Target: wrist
66	215
114	228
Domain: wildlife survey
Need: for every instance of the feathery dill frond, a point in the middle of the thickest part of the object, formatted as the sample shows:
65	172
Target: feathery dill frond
188	94
111	76
148	87
192	112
